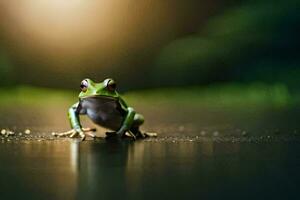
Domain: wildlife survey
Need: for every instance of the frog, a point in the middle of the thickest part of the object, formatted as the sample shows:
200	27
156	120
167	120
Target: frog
105	107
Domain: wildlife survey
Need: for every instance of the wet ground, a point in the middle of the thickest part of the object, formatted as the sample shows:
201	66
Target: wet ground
147	170
200	152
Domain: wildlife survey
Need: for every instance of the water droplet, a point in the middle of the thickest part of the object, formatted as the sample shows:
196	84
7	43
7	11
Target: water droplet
27	131
10	133
3	131
216	133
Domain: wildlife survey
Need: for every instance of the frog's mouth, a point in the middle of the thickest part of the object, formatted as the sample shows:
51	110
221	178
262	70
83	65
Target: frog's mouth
99	97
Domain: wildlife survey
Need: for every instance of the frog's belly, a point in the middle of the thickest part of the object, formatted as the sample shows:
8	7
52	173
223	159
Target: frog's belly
104	111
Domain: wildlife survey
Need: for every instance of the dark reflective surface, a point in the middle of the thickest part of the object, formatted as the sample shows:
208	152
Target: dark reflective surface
200	153
148	170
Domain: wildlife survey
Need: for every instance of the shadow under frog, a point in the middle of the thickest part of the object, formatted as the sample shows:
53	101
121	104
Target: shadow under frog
105	107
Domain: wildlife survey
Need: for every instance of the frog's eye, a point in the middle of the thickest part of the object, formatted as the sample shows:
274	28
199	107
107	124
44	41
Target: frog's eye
84	85
111	85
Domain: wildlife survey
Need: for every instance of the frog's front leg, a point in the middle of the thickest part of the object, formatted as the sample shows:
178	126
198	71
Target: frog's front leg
73	115
126	125
74	119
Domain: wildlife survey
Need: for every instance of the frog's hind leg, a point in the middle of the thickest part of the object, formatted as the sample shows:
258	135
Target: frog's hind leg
140	135
135	129
138	119
137	122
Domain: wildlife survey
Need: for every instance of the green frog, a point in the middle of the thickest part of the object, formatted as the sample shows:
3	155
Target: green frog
105	107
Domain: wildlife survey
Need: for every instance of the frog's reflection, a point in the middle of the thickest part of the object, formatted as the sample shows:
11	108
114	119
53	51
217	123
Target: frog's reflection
99	167
74	156
117	168
109	166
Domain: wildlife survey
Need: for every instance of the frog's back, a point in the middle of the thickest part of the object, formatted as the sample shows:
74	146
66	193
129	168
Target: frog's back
104	111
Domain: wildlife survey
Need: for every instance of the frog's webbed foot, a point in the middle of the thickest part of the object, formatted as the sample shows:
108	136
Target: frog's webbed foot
81	133
128	133
141	135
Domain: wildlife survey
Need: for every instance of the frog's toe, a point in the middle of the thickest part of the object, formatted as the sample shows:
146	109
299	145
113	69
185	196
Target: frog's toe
89	129
150	134
73	134
82	137
88	132
90	135
63	134
129	134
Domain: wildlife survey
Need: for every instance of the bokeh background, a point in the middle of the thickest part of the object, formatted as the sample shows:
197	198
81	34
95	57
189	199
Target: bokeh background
222	67
218	80
149	44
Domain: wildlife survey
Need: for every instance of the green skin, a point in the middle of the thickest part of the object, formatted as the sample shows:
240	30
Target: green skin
105	107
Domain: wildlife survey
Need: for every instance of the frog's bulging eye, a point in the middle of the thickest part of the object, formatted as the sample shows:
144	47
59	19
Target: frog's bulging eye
111	85
84	85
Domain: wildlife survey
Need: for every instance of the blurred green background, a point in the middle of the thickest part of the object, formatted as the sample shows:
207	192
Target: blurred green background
151	44
218	80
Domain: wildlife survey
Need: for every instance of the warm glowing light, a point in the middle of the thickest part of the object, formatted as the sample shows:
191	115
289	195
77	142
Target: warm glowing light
65	23
68	33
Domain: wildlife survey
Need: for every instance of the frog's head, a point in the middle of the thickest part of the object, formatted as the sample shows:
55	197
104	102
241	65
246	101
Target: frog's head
106	88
